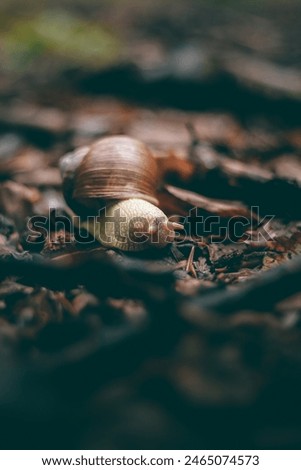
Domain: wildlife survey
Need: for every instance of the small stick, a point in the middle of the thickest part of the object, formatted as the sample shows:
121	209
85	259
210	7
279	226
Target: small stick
189	266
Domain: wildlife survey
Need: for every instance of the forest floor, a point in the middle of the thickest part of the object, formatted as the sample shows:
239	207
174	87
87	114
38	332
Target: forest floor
197	345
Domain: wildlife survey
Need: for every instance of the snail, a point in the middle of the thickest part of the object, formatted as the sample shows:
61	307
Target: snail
115	179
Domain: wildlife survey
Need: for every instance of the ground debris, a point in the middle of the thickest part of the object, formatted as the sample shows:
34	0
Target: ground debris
196	345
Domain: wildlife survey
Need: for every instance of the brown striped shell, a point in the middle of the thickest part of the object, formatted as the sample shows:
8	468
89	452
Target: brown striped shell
118	173
113	168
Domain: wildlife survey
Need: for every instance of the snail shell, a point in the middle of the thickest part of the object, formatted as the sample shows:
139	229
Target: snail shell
117	174
113	168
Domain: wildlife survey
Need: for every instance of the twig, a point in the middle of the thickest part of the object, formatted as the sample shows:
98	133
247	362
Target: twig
189	266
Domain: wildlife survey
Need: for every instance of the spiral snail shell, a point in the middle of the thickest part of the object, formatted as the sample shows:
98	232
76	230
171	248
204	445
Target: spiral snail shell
116	177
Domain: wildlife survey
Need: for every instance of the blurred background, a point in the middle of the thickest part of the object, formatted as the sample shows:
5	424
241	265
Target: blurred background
72	71
192	55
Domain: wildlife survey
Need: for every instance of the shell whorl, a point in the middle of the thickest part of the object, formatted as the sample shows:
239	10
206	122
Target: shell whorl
115	168
117	176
